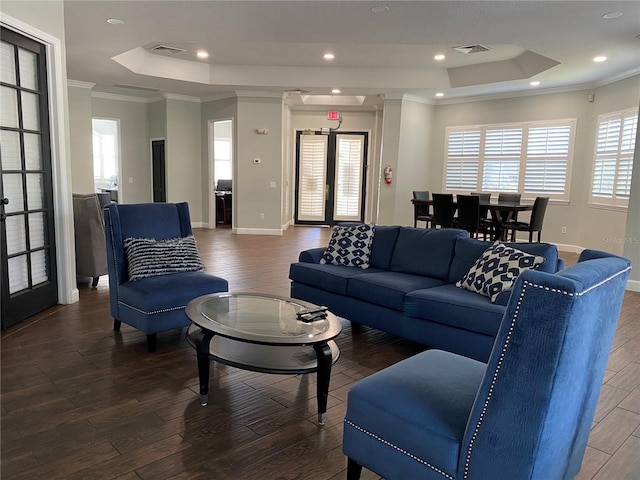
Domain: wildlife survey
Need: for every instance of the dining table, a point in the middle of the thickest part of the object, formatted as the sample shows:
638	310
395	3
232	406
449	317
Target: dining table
501	211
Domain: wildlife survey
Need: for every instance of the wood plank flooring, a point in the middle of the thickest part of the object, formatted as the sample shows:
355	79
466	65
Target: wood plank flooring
80	401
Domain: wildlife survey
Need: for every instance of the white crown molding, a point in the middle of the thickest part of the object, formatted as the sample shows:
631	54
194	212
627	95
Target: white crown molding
122	98
220	96
80	84
417	99
182	98
258	94
617	78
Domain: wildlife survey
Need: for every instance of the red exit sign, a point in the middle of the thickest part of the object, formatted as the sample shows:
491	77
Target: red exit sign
333	115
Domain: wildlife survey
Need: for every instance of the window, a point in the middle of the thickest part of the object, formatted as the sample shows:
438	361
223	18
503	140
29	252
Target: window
222	150
613	158
533	158
105	154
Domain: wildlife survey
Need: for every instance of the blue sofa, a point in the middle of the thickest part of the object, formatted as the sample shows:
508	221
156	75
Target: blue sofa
409	288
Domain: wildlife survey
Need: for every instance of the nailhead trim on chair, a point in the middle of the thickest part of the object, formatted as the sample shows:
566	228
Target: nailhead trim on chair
153	312
366	432
504	350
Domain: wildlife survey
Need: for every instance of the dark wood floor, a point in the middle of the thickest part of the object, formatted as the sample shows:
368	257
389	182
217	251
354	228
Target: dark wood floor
80	401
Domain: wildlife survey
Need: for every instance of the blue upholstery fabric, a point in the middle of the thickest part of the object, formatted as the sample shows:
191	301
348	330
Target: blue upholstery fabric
425	251
332	278
436	390
152	304
388	288
532	409
454	306
384	242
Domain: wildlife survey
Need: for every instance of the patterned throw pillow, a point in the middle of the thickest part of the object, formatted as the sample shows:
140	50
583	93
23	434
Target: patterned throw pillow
497	269
148	257
349	246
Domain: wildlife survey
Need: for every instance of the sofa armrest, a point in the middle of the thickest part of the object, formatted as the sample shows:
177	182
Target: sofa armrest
312	255
560	264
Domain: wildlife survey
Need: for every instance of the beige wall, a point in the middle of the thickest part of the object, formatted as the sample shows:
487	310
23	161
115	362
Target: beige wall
390	147
81	147
184	156
135	160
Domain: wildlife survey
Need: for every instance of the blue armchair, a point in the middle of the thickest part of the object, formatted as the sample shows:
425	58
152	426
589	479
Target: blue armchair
526	414
156	303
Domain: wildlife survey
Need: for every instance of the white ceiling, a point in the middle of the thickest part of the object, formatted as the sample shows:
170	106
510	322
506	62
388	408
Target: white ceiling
275	46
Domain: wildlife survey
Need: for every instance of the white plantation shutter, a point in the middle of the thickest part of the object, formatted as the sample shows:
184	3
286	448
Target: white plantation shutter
463	157
348	184
313	177
548	151
533	158
613	160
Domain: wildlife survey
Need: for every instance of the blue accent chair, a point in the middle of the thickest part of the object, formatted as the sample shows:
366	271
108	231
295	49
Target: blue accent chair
152	304
524	415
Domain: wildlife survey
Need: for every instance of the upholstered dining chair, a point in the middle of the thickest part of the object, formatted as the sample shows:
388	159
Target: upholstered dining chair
443	210
526	414
154	267
421	213
535	222
468	214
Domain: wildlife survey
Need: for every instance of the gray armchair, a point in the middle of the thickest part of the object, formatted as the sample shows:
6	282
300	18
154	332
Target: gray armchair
91	250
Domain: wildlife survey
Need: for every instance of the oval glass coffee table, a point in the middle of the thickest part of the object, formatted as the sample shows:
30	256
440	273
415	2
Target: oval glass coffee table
264	333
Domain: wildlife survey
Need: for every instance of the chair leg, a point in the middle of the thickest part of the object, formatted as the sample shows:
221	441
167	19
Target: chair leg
354	469
116	325
94	283
151	342
531	236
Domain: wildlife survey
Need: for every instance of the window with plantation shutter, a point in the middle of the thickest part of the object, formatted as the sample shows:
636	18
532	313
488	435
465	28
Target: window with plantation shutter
348	185
613	159
533	158
313	175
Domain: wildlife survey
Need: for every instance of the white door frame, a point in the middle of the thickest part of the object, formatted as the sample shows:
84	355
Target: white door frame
211	193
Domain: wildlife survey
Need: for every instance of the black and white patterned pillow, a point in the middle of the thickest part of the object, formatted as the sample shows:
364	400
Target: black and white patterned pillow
497	269
349	246
147	257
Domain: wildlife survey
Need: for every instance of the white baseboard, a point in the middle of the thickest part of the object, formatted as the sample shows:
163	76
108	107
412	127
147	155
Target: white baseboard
258	231
633	285
569	248
198	225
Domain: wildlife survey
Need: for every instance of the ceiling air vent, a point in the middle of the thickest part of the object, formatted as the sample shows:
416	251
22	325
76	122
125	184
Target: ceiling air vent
472	49
167	49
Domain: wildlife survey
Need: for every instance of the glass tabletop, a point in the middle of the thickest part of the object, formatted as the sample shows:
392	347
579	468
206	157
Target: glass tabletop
260	318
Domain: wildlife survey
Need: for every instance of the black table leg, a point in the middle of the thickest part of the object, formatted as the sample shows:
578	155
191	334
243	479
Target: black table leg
202	352
323	352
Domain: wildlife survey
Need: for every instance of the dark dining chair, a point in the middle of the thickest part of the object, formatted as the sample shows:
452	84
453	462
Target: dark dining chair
443	210
534	224
509	198
421	213
487	226
469	214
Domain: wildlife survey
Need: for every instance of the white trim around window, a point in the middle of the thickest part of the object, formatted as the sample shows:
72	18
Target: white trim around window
533	158
613	159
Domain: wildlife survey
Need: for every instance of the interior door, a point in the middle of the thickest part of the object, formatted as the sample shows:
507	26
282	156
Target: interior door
330	177
158	166
27	243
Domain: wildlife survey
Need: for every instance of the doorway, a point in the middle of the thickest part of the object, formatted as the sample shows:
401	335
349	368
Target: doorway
158	169
106	153
330	177
221	154
27	234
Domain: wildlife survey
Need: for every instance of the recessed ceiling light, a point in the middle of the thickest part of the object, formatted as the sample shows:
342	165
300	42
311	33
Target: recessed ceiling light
329	56
439	57
115	21
600	58
336	90
612	15
439	94
379	9
202	54
535	83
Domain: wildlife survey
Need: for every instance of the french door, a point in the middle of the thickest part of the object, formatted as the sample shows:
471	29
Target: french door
27	243
330	177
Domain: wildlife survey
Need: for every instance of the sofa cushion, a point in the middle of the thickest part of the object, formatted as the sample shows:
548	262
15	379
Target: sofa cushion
332	278
388	288
147	257
425	251
382	246
468	250
453	306
497	269
349	246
